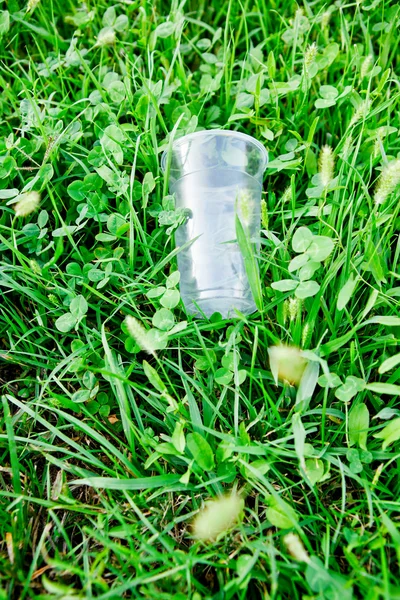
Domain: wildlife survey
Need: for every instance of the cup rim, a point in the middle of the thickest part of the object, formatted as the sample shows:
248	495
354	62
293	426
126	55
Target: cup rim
224	132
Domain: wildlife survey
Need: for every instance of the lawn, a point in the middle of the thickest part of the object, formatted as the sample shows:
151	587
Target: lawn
108	453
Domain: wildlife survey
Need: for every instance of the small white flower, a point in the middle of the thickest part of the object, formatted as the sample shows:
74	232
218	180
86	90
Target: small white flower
27	204
139	334
388	181
217	517
286	363
326	165
106	37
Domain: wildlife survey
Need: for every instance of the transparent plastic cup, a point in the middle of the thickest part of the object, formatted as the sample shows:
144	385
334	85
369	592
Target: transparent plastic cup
215	175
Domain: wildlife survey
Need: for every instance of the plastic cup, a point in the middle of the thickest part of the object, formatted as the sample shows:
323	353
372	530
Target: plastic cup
215	175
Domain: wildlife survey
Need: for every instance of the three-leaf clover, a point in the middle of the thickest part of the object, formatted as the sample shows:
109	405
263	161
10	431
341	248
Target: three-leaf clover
312	251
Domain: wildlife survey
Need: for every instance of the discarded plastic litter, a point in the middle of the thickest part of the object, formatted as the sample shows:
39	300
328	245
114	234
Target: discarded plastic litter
216	175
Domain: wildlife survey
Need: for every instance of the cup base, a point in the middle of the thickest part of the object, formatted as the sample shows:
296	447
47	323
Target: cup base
226	306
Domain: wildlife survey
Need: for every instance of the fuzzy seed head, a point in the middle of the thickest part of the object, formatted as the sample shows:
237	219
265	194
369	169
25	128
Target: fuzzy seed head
348	143
365	66
361	112
27	204
326	17
294	308
306	335
139	334
295	547
326	165
245	206
287	194
32	4
34	265
388	181
217	517
309	56
286	363
264	215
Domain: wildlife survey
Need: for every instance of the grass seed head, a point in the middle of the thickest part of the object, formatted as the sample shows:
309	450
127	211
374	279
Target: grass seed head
27	204
287	363
32	4
217	517
365	66
361	112
326	165
139	334
295	547
387	182
309	56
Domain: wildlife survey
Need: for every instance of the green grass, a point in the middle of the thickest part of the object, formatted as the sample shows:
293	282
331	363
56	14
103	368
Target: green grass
98	487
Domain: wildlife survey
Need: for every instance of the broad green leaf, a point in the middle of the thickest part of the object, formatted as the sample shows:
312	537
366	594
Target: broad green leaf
157	339
114	222
306	289
148	186
382	320
77	190
329	92
4	22
250	263
65	230
297	262
390	433
81	396
308	270
280	513
156	292
386	413
109	17
285	285
163	319
78	307
178	437
346	292
358	425
170	299
154	377
308	383
66	322
173	279
117	91
315	470
324	103
165	30
384	388
330	380
350	388
320	248
223	376
201	451
121	23
301	239
177	328
240	376
389	363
